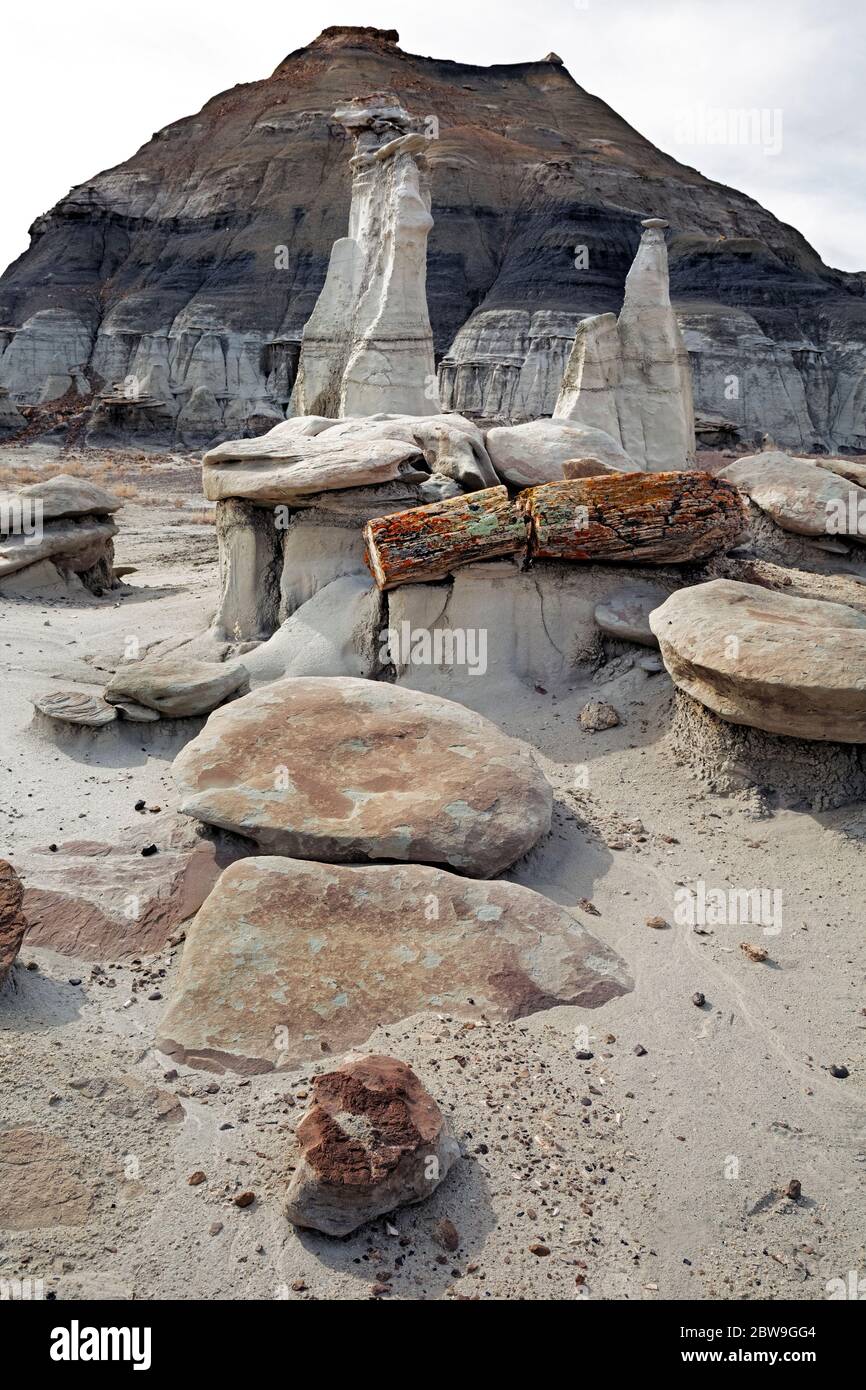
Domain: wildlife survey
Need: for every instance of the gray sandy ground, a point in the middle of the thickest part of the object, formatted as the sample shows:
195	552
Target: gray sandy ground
668	1184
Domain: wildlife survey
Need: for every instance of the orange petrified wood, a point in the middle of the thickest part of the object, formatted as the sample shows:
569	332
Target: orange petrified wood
646	518
428	542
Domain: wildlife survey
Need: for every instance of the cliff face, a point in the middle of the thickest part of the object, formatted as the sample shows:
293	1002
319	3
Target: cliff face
174	287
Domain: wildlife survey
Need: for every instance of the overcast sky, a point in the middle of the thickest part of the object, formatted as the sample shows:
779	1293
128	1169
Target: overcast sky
86	82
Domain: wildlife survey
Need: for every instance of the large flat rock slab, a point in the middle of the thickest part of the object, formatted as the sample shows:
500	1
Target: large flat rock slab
288	959
793	666
353	770
798	495
62	496
306	466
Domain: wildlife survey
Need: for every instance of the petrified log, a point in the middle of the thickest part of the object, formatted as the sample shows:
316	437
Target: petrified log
429	542
651	518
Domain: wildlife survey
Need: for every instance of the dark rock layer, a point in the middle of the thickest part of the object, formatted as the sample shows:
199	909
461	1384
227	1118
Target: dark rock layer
174	287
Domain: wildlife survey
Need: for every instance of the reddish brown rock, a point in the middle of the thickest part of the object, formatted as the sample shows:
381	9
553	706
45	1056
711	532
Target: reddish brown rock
349	770
372	1140
288	959
100	900
42	1181
12	921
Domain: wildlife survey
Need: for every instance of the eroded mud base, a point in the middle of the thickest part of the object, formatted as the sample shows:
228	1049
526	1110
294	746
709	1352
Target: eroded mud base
730	758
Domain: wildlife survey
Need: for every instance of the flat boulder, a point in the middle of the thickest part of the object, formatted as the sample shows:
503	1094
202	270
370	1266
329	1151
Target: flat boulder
793	666
175	687
63	496
309	465
373	1139
536	452
343	769
799	496
12	921
289	959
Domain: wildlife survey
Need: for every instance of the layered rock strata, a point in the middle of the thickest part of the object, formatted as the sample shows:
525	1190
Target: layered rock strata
176	285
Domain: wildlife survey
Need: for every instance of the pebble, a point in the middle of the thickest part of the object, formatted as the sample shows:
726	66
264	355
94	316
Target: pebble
754	953
698	999
839	1071
244	1199
639	1050
197	1178
446	1234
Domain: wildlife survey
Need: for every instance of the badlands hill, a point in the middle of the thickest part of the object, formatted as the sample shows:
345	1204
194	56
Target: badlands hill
164	299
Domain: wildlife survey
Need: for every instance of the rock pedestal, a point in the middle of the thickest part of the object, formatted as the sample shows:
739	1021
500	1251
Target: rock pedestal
368	344
55	531
797	772
790	666
630	376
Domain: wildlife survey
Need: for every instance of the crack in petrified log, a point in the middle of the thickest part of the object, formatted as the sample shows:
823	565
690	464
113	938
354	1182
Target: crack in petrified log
650	518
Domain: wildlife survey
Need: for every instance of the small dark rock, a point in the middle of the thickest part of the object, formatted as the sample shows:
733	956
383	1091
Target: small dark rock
446	1234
